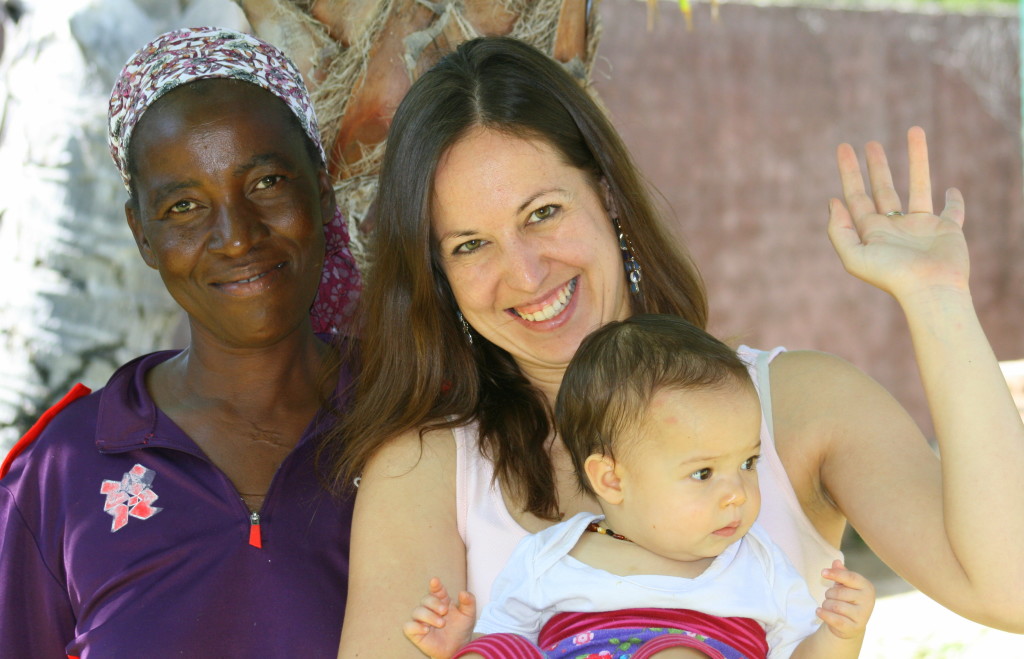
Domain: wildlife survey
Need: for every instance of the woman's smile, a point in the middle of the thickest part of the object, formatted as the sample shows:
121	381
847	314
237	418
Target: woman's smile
251	285
551	307
527	245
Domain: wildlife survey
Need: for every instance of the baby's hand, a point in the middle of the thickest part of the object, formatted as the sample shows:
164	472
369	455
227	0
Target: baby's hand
437	628
848	603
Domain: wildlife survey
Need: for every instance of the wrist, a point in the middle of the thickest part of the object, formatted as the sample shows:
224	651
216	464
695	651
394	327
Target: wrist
941	300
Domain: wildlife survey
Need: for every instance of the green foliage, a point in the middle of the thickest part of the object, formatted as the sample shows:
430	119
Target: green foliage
968	6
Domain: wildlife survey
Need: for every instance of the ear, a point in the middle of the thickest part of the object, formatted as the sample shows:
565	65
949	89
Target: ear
131	213
328	201
609	200
604	478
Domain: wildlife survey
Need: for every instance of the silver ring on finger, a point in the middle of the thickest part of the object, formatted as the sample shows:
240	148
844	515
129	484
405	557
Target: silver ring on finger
893	213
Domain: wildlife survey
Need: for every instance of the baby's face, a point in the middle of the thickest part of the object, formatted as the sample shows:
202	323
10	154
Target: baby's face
688	477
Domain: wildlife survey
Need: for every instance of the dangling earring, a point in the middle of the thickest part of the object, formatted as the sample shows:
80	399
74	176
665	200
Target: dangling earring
633	274
465	327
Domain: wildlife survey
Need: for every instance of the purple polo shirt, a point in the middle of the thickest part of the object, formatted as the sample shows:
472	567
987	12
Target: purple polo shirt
119	538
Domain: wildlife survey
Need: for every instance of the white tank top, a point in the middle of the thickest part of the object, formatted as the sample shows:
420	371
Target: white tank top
490	533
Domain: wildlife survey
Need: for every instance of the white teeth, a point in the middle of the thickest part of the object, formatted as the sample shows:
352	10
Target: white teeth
553	309
246	281
259	276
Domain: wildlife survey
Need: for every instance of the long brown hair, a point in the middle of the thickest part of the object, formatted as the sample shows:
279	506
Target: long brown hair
416	368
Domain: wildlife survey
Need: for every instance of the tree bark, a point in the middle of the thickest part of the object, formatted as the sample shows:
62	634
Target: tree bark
359	57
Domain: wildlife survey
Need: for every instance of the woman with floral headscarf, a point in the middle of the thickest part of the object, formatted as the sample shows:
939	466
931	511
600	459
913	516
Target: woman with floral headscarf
177	511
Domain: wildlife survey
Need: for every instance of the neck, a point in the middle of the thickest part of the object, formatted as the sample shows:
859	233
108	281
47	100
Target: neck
272	374
627	558
603	529
546	378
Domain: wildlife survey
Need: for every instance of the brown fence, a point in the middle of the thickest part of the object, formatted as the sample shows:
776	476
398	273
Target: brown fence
736	124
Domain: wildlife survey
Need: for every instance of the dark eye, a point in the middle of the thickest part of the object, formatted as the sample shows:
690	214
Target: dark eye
750	464
543	213
267	182
469	246
701	474
182	206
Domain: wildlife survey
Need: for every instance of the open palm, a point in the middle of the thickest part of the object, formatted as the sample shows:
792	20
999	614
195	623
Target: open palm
899	252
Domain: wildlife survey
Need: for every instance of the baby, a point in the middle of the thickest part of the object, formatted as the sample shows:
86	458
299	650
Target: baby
663	425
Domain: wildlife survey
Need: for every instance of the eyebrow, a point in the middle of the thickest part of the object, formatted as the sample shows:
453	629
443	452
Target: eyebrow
262	159
523	206
532	198
454	235
754	448
168	189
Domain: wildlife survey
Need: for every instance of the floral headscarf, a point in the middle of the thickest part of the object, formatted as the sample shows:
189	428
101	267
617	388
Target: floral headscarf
183	56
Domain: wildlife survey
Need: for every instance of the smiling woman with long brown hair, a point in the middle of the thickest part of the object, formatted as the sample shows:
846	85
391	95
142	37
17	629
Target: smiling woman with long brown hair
510	222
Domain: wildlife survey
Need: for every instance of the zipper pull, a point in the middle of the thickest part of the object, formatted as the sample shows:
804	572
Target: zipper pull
255	537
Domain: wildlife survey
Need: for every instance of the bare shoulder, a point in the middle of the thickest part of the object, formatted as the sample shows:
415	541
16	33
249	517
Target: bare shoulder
410	479
810	388
801	368
413	453
828	415
404	532
826	392
837	430
800	381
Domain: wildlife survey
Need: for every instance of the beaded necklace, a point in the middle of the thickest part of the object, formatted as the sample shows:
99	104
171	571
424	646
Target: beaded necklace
598	527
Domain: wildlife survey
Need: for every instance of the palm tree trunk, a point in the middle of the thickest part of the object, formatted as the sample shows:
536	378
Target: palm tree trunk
360	56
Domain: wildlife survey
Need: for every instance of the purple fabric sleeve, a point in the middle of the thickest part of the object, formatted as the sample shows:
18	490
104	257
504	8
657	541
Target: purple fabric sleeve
119	538
35	615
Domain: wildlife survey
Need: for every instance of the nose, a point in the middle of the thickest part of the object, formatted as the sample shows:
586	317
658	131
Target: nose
525	266
734	492
236	229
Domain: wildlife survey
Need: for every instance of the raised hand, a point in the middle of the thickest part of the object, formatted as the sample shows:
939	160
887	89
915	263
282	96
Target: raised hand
438	628
901	250
848	603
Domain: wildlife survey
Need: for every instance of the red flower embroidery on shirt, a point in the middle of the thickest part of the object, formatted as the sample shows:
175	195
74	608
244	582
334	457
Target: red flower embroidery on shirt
131	496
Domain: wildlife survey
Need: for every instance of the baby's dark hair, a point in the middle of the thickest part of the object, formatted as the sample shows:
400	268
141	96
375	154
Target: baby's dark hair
617	370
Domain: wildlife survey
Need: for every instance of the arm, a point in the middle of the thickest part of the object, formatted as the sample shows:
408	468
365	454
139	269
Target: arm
437	628
953	528
845	612
404	532
36	617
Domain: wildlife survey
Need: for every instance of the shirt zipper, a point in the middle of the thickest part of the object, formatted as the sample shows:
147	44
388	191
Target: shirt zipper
255	537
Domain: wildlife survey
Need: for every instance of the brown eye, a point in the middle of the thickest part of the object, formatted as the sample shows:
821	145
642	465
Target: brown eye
701	474
267	182
182	206
469	246
543	213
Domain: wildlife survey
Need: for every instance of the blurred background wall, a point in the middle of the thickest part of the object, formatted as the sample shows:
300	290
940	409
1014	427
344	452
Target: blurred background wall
736	123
